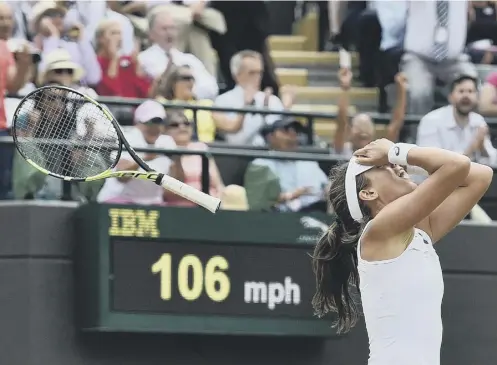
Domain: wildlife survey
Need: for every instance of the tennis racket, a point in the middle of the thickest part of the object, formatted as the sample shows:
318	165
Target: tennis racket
68	135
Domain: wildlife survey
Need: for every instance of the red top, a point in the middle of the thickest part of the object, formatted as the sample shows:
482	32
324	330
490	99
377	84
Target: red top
6	60
126	83
492	79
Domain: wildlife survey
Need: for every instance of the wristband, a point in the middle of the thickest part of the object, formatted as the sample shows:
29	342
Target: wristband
397	154
415	170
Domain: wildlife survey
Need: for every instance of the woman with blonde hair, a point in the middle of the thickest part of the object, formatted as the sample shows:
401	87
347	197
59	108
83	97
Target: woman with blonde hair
176	85
121	75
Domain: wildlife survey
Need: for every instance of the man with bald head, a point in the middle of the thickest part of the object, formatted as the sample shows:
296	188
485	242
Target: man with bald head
361	131
12	78
155	59
353	135
13	67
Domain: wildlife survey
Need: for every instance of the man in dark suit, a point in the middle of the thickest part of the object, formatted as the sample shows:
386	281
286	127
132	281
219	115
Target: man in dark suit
247	24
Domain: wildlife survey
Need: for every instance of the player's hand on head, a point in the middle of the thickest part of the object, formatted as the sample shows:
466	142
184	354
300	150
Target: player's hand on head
375	153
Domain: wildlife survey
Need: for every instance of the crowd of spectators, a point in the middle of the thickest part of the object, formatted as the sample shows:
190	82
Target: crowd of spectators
181	52
431	42
164	51
425	47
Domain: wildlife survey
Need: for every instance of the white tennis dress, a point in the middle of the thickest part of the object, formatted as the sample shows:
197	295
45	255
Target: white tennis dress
402	300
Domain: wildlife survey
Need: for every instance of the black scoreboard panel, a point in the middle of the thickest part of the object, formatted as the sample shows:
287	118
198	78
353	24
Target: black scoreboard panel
211	279
145	269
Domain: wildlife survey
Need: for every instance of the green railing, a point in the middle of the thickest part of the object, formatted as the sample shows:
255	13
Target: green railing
379	118
309	116
311	154
321	156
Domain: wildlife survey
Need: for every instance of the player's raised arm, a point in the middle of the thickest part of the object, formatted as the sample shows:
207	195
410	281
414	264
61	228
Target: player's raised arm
461	201
448	171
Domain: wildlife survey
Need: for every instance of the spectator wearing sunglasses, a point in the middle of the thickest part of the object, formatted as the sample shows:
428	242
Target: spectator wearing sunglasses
189	168
177	85
121	75
58	68
247	68
147	132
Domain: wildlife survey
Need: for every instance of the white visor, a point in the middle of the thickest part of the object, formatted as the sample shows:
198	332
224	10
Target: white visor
354	169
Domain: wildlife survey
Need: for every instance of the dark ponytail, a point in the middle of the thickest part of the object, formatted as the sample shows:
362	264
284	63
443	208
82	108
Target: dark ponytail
335	258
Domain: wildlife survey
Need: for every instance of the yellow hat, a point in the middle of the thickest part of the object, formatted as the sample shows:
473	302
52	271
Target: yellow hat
234	197
57	60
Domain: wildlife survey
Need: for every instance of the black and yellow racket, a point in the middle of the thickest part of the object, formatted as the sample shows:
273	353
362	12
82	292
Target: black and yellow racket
68	135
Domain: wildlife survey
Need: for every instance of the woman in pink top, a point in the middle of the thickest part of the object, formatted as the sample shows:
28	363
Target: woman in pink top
190	172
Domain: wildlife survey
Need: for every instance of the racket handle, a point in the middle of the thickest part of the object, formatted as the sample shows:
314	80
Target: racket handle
186	191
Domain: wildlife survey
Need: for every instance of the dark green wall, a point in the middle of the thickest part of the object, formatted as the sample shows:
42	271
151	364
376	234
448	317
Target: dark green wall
37	307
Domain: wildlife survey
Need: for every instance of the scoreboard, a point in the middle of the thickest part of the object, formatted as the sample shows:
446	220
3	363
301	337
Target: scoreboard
183	270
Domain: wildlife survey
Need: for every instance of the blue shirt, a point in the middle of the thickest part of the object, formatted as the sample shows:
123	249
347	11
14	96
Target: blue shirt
392	16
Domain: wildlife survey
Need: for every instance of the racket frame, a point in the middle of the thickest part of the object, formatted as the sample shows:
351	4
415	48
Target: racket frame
122	142
149	173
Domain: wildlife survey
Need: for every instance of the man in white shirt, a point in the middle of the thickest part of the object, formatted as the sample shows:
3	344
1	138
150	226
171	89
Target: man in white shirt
154	60
434	44
247	69
194	20
457	127
149	120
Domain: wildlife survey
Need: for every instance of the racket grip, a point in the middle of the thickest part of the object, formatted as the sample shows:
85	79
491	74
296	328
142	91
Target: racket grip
186	191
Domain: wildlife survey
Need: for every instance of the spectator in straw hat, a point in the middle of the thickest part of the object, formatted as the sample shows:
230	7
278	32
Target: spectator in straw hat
47	19
58	68
234	197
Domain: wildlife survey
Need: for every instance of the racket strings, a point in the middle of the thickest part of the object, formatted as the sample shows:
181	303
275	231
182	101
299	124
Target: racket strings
60	157
62	132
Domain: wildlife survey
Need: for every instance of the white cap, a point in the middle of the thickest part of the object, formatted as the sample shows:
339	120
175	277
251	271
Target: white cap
149	110
353	170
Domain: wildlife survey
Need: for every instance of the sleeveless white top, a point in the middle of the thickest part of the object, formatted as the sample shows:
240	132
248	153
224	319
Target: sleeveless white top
401	301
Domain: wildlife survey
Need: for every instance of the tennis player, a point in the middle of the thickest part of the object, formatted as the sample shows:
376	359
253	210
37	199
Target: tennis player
382	243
